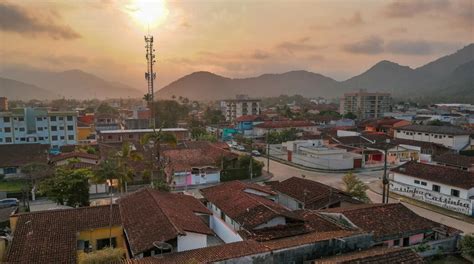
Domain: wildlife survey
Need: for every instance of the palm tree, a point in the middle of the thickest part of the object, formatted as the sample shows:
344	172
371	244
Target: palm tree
107	171
156	139
123	158
34	173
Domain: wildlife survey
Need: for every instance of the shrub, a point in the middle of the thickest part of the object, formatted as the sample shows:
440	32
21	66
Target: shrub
103	256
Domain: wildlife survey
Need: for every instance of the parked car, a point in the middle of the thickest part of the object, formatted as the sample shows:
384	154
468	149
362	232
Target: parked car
8	202
255	153
239	147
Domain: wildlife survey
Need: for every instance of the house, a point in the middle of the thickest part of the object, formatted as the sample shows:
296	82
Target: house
455	161
149	216
375	255
105	121
298	193
451	137
384	125
263	128
391	224
134	135
60	236
241	208
442	186
14	156
245	124
195	162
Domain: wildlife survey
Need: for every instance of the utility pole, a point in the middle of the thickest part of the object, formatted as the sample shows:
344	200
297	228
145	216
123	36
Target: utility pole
251	160
385	179
268	152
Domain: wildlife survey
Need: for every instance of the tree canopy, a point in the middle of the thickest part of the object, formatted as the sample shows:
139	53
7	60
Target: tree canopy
355	187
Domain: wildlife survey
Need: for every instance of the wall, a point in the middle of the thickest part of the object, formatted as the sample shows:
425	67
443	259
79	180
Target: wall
273	222
223	230
191	241
453	142
102	233
287	201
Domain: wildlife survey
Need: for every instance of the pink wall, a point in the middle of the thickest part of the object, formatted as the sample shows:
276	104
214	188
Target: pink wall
415	239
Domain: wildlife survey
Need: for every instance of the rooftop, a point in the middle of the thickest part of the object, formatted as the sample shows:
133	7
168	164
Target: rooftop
147	130
22	154
448	130
455	159
314	194
285	124
375	255
436	173
50	236
150	215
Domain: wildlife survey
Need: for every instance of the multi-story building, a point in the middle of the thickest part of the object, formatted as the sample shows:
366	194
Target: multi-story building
3	104
235	108
365	104
38	125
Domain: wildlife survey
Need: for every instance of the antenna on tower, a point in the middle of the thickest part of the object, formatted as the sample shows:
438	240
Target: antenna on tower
150	75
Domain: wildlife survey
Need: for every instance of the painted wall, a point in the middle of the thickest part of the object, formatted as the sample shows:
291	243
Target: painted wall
287	201
223	230
454	142
273	222
102	233
191	241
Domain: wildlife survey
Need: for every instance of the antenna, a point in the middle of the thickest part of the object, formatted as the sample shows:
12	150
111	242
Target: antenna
162	246
150	76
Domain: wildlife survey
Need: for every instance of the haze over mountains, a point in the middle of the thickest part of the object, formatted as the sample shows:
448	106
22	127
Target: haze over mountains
449	78
69	84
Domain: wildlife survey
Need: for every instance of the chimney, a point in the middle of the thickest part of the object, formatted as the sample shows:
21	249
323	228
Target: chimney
3	104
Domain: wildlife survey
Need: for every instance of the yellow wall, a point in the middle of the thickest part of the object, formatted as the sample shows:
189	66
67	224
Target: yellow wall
101	233
13	221
84	132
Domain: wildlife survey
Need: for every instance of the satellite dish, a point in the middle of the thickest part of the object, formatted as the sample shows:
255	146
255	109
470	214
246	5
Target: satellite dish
162	246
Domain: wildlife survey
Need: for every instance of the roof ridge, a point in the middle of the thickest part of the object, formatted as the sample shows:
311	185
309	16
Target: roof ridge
163	211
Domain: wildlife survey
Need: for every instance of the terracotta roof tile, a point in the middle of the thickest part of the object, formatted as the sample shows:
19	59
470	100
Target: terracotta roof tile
375	256
70	155
285	124
448	130
21	154
50	236
455	159
436	173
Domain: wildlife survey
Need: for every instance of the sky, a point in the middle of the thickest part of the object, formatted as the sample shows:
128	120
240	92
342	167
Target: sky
245	38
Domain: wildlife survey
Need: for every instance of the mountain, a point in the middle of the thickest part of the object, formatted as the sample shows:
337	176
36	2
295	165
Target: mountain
73	84
16	90
209	86
458	86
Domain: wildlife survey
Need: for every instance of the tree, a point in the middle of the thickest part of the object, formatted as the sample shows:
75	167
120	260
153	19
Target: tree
355	187
213	116
161	185
68	186
123	159
105	108
35	172
107	171
103	256
155	139
436	122
350	115
467	245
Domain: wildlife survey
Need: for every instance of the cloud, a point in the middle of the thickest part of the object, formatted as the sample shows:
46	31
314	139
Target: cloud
354	20
20	20
402	8
298	45
260	55
418	47
370	45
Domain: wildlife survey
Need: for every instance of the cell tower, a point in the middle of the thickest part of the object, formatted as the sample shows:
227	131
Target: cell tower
150	76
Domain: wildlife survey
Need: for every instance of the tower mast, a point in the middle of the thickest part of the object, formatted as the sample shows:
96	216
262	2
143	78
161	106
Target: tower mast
150	76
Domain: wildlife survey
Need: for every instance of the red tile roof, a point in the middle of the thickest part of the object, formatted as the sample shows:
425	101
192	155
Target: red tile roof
436	173
51	236
70	155
16	155
150	215
285	124
315	195
375	255
249	118
455	160
386	221
247	209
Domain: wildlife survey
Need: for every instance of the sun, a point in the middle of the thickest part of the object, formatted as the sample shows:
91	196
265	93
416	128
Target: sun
148	13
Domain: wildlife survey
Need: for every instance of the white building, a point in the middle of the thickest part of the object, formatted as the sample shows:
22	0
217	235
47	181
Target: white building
365	104
445	187
235	108
261	129
28	125
450	137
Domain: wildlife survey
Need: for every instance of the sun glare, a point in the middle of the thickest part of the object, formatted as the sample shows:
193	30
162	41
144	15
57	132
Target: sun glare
148	13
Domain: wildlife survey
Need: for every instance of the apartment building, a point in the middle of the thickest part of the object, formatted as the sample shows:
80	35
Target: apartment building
451	137
38	125
365	104
235	108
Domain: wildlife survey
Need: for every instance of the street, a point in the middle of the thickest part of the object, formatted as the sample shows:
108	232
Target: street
282	171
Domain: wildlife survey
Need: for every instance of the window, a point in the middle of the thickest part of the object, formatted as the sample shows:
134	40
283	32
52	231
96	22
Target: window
10	170
109	137
423	183
419	133
53	118
22	129
426	134
61	128
6	119
1	139
70	128
62	137
300	206
41	138
69	118
21	119
102	243
454	192
8	140
23	139
222	216
54	137
450	136
8	129
70	137
61	118
436	188
417	182
39	118
83	245
396	242
54	128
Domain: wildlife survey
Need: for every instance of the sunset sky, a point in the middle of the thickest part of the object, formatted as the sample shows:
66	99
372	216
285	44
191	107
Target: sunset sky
231	38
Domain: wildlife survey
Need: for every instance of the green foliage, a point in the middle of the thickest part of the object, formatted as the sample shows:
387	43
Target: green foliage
196	132
467	245
68	186
123	159
355	187
350	115
103	256
207	137
161	185
435	123
105	108
168	112
275	137
212	116
107	170
422	247
90	150
234	174
284	100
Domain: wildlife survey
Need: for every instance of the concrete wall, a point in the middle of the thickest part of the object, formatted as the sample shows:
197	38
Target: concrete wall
191	241
454	142
273	222
223	230
287	201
